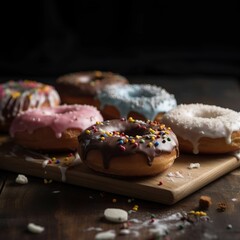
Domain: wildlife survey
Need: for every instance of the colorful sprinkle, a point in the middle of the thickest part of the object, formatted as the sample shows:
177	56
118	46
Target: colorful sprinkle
160	183
109	134
132	141
135	208
88	132
120	142
198	213
135	144
122	148
15	94
150	144
131	120
151	131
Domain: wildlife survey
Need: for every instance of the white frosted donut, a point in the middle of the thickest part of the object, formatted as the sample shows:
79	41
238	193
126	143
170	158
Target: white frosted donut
205	128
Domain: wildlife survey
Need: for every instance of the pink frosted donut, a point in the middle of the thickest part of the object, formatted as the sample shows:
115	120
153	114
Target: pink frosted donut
53	128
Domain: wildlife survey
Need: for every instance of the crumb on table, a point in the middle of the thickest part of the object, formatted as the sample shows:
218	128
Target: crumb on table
205	202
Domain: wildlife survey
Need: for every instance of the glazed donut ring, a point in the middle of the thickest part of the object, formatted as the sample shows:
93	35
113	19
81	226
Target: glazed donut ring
139	101
82	87
205	128
128	147
18	96
53	128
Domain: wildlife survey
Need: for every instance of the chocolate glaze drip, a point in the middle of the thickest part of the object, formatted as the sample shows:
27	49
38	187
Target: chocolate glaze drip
87	83
116	138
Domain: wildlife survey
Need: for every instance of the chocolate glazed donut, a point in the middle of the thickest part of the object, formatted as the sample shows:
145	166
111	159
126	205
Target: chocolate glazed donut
128	147
82	87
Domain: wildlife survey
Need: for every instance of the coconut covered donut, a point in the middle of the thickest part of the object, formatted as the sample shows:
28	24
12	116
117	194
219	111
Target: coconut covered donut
18	96
82	87
128	147
53	128
140	101
205	128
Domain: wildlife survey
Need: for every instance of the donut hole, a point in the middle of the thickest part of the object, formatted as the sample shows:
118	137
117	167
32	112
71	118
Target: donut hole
207	114
135	131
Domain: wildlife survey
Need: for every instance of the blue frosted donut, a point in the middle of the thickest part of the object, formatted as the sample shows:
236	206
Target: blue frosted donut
144	100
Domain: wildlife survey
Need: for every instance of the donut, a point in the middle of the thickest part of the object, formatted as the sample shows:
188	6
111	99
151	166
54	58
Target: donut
128	148
204	128
139	101
53	128
18	96
82	87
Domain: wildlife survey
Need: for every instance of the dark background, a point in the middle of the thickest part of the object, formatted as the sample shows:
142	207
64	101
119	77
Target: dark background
48	38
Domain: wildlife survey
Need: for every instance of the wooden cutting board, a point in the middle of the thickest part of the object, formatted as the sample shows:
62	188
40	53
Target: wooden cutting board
169	187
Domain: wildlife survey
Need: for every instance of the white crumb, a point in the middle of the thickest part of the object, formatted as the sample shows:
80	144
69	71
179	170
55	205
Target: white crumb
115	215
171	174
97	229
108	235
35	228
178	175
21	179
56	191
135	220
194	165
124	232
159	230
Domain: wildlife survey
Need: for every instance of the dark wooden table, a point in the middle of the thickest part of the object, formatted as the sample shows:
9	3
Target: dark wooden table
71	212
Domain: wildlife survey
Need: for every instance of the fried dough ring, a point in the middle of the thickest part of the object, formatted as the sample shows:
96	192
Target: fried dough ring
205	128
